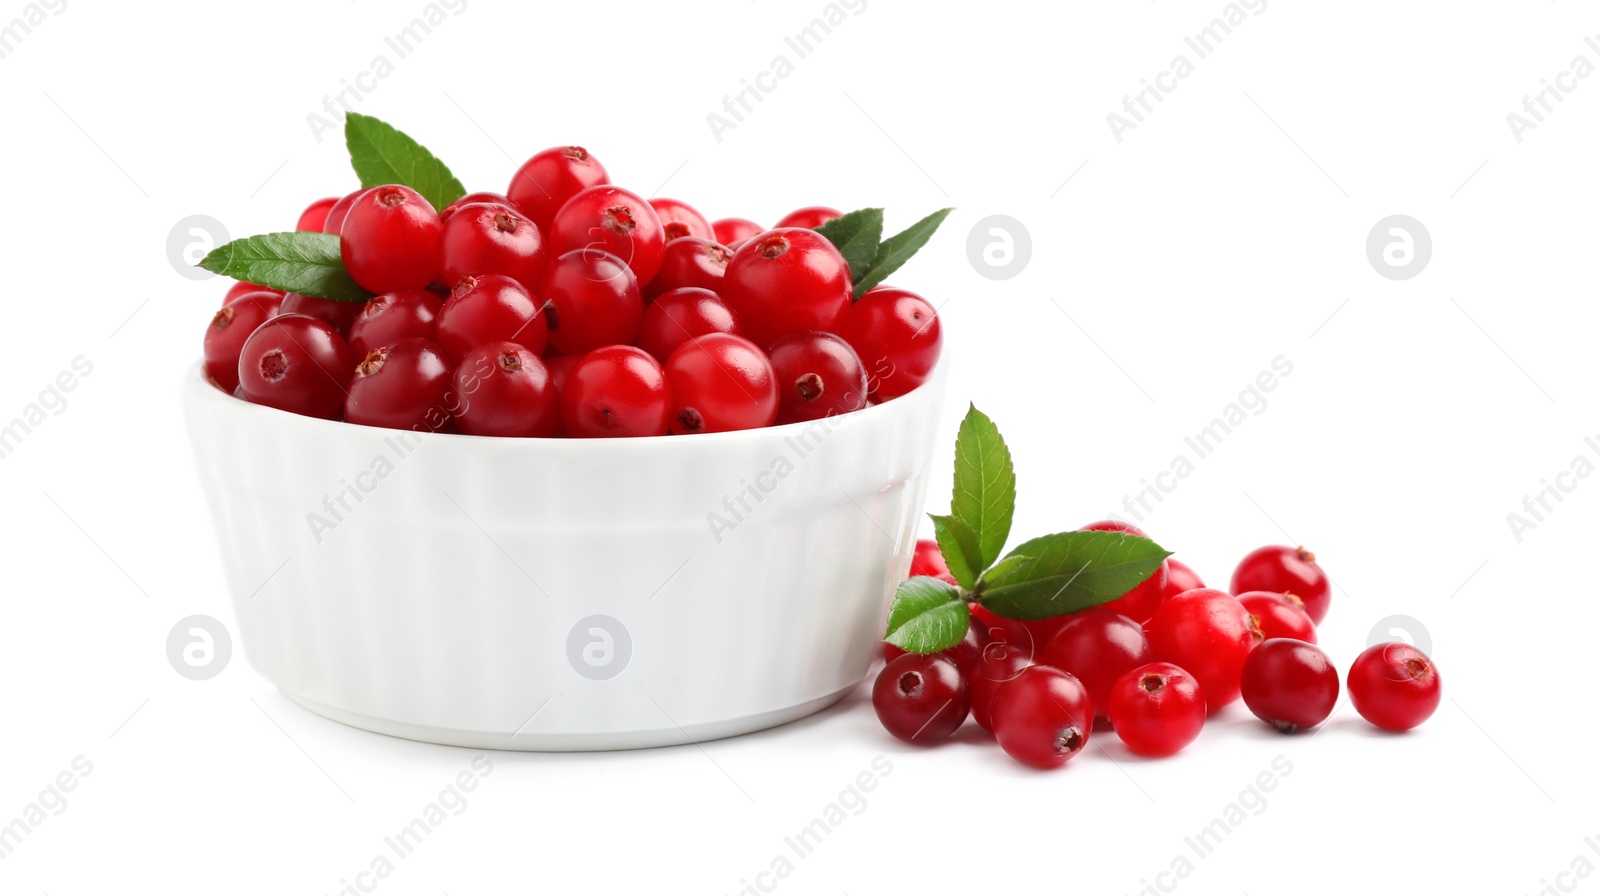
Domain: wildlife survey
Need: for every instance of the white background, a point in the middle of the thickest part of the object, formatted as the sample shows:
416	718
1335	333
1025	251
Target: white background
1167	270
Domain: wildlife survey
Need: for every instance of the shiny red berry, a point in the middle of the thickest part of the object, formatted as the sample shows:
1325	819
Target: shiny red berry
998	663
545	182
481	238
1280	615
719	383
391	240
503	389
1286	569
690	261
591	300
921	698
1042	717
402	385
787	280
1181	578
615	391
1157	709
394	316
680	219
340	210
677	316
818	375
559	367
1099	646
612	220
1209	634
1291	685
810	217
295	363
491	308
316	215
477	199
242	287
729	231
339	315
928	560
897	335
1394	686
228	330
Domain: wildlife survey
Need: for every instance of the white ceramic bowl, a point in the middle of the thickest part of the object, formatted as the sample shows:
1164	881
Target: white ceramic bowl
555	594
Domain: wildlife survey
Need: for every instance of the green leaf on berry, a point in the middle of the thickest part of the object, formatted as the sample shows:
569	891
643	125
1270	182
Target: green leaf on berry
927	616
959	545
303	262
382	154
1070	571
856	236
898	249
985	494
1003	569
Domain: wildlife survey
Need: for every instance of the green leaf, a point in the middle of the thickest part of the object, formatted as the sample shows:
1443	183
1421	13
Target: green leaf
959	545
382	154
856	236
927	616
985	494
898	249
303	262
1071	571
1008	566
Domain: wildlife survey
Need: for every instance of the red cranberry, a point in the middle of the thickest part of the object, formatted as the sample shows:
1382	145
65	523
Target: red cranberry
680	315
229	328
810	217
690	261
613	220
295	363
491	308
391	240
680	219
719	383
999	663
921	698
401	386
242	288
395	316
1280	615
1098	646
787	280
492	239
1042	717
1157	709
339	315
897	335
818	376
1289	684
340	210
1181	578
1209	634
734	230
477	199
1286	569
592	300
1394	686
615	391
316	215
928	560
505	390
545	182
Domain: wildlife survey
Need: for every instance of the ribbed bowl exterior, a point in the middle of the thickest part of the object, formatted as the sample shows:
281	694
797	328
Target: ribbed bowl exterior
549	594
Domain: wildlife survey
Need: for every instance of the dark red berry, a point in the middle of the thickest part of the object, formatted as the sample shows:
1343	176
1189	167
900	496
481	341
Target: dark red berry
997	664
339	315
491	308
503	389
613	220
559	367
1394	686
615	391
787	280
1157	709
1015	634
734	230
1280	615
340	210
680	219
810	217
680	315
897	335
295	363
1285	569
1181	578
592	300
1209	634
229	328
928	560
1098	646
545	182
394	316
719	383
1289	684
921	698
402	385
1042	717
391	240
316	215
690	261
481	238
242	287
818	376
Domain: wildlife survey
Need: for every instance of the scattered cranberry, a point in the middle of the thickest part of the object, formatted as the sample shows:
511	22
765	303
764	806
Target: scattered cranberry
613	220
394	316
1394	686
1292	570
491	308
503	389
787	280
1280	615
1098	646
677	316
818	376
391	240
1042	717
545	182
810	217
690	261
339	315
734	230
477	199
999	663
295	363
1157	709
615	391
481	238
229	328
401	386
928	560
680	219
719	383
592	300
921	698
316	215
897	335
1209	634
340	210
1291	685
1181	578
243	287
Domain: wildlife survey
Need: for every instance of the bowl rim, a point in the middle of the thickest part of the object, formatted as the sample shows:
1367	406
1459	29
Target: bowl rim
203	388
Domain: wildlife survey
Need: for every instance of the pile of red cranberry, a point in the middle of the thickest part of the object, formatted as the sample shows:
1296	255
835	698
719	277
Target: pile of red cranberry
571	307
1151	665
